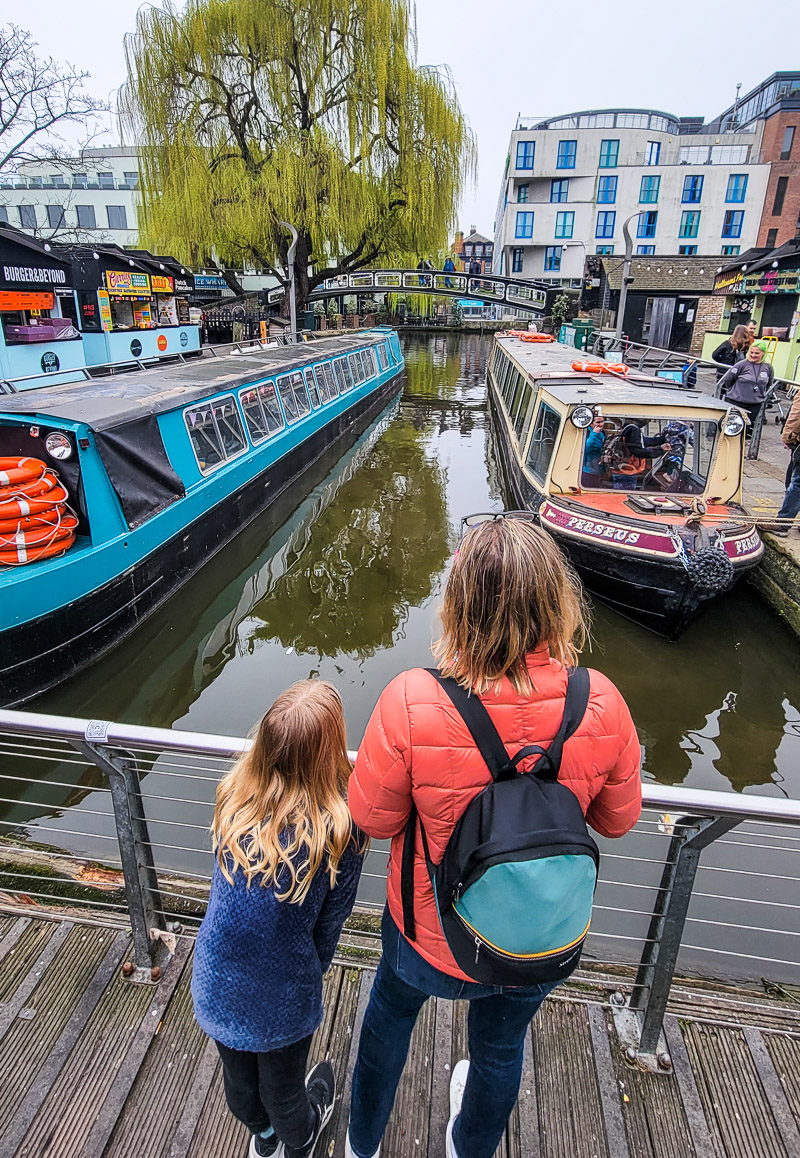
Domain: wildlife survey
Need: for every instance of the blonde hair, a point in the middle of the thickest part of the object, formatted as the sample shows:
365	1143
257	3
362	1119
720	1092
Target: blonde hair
509	591
287	795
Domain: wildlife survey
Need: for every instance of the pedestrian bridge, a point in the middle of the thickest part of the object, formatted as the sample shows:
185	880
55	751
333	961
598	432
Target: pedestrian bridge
527	296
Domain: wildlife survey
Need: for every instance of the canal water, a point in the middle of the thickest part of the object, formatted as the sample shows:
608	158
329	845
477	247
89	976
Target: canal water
345	586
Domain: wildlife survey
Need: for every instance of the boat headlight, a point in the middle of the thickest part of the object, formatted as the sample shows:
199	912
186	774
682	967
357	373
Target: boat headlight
733	423
58	446
582	416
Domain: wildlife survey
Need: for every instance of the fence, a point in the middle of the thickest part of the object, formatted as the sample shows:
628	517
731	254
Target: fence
695	373
115	819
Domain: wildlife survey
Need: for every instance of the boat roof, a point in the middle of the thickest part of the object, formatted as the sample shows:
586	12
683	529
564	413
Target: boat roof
106	402
550	364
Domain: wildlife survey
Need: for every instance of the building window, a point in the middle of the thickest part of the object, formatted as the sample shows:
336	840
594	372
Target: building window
737	187
788	141
79	180
647	224
567	151
565	224
772	238
604	249
687	250
27	216
648	190
645	250
607	190
559	190
524	225
729	154
525	151
605	224
652	153
131	180
693	155
690	223
86	218
55	216
732	224
552	258
105	180
609	154
516	259
729	250
522	193
116	217
780	194
692	189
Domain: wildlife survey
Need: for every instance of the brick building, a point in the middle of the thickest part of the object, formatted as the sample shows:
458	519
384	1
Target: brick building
780	145
473	247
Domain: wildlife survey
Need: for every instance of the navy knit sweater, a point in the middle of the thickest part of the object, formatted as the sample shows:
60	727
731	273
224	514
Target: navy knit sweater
258	962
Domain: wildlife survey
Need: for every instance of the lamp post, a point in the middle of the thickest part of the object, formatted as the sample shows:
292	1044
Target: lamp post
626	272
290	263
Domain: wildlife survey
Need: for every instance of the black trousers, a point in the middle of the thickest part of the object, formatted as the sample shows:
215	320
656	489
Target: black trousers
269	1089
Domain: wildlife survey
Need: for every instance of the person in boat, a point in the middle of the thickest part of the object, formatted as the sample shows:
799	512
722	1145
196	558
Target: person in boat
287	866
627	455
595	441
731	351
513	621
749	382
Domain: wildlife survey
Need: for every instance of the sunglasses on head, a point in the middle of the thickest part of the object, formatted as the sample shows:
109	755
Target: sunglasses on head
492	516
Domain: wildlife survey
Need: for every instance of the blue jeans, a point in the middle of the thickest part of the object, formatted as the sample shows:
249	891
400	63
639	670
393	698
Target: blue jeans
497	1023
791	500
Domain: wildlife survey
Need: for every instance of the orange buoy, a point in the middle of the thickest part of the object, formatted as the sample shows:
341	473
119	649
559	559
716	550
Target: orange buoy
600	367
37	536
14	471
29	490
21	506
31	522
22	553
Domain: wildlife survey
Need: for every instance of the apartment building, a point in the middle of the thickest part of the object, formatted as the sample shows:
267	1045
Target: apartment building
91	198
691	188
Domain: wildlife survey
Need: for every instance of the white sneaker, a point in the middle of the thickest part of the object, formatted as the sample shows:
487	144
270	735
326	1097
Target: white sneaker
457	1083
348	1149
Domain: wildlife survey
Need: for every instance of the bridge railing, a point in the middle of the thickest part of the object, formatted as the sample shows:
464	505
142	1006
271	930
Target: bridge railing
115	818
529	296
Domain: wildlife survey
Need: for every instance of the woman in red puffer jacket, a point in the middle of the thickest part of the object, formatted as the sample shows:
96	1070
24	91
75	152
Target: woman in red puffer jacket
513	618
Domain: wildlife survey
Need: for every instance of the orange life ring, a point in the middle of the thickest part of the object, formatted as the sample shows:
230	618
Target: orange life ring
538	338
29	490
20	470
36	536
21	554
22	507
600	367
31	522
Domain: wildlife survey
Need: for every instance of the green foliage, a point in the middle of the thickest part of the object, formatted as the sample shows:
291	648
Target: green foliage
560	310
252	112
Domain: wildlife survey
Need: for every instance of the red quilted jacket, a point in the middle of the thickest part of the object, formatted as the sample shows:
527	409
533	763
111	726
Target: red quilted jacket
416	745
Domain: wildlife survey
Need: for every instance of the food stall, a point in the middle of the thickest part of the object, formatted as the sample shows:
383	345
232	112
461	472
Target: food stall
38	330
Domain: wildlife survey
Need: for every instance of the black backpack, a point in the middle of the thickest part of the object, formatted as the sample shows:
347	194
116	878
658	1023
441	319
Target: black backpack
515	885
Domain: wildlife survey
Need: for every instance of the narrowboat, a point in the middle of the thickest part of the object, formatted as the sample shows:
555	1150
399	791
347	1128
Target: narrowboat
131	482
639	480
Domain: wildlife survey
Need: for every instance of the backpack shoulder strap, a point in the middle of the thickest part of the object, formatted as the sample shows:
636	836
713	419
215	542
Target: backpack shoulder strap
575	704
479	722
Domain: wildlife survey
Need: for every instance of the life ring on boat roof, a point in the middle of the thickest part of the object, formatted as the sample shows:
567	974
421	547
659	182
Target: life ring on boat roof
14	471
600	367
537	337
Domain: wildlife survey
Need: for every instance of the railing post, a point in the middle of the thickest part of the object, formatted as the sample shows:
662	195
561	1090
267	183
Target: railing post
136	854
755	437
657	966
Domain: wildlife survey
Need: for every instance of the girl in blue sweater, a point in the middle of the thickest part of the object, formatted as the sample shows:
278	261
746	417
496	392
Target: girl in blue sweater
288	860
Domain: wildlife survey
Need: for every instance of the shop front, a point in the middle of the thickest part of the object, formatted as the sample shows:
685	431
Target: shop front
767	290
39	337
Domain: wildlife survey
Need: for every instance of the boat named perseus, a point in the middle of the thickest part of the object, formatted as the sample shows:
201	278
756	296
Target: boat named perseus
120	488
639	481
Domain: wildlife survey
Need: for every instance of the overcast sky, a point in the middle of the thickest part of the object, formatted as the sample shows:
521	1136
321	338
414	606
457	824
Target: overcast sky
531	57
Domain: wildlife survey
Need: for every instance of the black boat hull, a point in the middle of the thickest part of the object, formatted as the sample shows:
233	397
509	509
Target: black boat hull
40	655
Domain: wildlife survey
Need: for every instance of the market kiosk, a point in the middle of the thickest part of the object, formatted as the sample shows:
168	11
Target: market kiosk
39	337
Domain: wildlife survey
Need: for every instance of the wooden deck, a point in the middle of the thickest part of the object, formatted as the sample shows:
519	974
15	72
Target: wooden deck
94	1065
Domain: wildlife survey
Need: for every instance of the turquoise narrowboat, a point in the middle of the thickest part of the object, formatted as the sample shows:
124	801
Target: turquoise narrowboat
162	468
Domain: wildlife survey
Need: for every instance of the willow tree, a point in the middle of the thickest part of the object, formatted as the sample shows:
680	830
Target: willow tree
314	112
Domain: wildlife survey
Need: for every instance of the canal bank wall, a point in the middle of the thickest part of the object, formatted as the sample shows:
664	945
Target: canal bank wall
777	579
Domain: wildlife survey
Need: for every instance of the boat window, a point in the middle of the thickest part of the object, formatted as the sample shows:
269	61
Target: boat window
367	363
656	455
521	407
216	432
383	361
543	441
343	375
262	411
515	395
293	396
327	376
311	386
356	368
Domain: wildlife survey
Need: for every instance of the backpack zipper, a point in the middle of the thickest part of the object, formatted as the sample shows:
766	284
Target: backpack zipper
477	948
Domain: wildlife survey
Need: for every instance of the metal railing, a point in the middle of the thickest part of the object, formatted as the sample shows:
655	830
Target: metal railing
115	818
696	374
527	296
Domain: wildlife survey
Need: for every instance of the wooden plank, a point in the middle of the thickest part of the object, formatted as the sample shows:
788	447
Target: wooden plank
337	1049
442	1071
523	1128
12	931
106	1120
34	950
731	1093
785	1054
570	1115
703	1141
776	1096
364	990
193	1107
53	1064
607	1082
407	1133
218	1132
